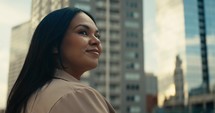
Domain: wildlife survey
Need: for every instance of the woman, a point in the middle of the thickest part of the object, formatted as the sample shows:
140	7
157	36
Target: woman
65	44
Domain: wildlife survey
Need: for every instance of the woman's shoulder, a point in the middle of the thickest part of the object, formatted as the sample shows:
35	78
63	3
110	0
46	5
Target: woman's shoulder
81	96
52	92
59	88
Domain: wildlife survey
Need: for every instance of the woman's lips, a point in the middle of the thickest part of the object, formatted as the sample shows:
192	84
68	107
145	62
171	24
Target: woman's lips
93	51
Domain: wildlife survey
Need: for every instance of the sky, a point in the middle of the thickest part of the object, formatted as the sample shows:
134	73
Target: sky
14	12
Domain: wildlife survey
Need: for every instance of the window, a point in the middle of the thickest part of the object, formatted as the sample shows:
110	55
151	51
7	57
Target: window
133	109
132	76
131	24
132	4
132	44
131	55
132	87
130	34
132	65
134	15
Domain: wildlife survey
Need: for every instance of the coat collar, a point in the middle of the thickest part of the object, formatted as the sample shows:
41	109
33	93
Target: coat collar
61	74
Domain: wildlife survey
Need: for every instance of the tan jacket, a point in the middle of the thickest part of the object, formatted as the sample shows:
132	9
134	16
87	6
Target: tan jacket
65	94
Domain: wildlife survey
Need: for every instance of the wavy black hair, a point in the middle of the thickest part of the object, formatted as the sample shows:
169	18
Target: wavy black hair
40	63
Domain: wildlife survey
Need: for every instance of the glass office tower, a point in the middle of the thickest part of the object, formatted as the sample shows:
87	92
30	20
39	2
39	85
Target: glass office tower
200	45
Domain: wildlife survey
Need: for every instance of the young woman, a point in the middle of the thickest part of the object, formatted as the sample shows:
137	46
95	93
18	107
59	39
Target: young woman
64	45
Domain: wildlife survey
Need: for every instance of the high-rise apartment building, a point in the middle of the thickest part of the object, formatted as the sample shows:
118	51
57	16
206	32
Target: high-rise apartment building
120	75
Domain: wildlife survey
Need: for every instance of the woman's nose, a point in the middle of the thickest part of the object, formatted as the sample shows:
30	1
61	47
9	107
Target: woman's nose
94	41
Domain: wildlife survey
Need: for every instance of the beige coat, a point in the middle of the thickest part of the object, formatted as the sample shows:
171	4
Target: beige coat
65	94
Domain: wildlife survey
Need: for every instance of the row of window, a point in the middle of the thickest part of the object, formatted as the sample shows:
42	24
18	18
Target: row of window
133	98
132	44
132	87
132	65
133	109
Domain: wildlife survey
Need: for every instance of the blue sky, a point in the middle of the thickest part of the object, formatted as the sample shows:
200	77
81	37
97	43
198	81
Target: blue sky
14	12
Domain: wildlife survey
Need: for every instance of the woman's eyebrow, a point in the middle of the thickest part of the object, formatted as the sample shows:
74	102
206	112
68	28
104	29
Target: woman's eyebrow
85	26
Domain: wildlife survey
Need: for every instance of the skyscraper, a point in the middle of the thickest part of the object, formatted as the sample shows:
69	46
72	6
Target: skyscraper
200	38
20	38
132	69
40	8
120	75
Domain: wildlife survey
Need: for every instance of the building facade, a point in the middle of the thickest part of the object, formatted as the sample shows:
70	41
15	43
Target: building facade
20	38
200	45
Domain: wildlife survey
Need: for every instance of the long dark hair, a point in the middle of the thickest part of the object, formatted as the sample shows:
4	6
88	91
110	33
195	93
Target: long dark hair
40	63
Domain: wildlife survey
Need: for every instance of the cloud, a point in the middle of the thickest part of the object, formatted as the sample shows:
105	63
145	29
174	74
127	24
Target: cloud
4	59
171	37
11	16
4	64
3	94
150	47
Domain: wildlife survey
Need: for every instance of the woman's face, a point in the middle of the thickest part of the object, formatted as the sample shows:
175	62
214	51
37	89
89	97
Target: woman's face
81	46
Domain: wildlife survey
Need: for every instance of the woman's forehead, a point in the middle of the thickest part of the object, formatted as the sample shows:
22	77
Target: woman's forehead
82	19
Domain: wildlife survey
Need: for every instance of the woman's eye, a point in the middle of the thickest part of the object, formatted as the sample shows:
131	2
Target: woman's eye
83	32
97	36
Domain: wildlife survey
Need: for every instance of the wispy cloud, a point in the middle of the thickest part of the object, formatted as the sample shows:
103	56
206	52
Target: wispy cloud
171	36
11	16
4	64
150	47
3	94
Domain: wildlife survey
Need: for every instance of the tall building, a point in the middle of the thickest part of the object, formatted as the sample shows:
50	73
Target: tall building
20	39
120	75
187	28
40	8
200	45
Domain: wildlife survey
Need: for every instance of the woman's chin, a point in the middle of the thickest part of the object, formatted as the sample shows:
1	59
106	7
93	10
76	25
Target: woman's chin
93	65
